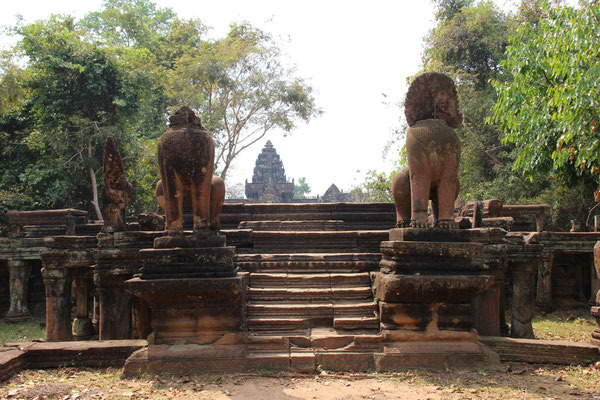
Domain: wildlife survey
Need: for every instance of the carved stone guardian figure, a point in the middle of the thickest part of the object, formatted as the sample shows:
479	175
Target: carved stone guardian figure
186	154
118	192
433	153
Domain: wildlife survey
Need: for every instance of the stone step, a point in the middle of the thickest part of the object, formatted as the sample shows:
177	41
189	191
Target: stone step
322	280
310	225
356	323
309	262
314	310
278	325
309	294
318	242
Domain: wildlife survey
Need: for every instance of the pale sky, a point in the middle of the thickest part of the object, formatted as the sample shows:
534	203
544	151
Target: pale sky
351	52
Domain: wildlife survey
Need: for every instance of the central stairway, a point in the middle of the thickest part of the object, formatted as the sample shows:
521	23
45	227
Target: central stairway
301	278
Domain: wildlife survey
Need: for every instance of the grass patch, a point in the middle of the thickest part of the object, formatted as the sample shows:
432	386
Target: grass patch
572	325
23	331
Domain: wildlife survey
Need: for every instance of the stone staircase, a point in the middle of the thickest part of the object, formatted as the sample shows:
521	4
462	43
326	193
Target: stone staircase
309	266
306	279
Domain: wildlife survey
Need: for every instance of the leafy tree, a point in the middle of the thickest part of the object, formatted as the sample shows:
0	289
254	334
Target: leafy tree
377	187
469	44
68	84
301	188
447	9
79	94
550	108
241	90
131	23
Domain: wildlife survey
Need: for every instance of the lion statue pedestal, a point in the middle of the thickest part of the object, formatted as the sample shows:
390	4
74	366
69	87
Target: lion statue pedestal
189	279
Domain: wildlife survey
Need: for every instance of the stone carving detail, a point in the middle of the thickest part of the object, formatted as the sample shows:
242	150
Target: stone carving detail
433	153
118	192
186	153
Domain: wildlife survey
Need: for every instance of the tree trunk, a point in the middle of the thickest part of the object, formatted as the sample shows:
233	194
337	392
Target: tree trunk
95	194
224	172
95	201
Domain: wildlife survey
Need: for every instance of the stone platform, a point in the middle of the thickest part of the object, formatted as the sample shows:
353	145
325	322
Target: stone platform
320	349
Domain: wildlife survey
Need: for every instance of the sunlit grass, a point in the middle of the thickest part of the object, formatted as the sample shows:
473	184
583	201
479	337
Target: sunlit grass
23	331
571	325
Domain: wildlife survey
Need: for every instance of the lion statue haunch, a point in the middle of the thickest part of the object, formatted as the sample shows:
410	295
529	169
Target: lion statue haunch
217	197
433	154
117	192
186	153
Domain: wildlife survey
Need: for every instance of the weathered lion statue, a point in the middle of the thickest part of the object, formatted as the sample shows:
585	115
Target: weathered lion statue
433	154
186	153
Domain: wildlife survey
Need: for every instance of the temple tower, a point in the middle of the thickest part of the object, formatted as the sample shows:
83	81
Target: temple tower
269	184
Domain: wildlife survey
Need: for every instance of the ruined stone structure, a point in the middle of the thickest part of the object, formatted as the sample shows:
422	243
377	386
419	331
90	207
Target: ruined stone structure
306	287
269	183
334	195
298	286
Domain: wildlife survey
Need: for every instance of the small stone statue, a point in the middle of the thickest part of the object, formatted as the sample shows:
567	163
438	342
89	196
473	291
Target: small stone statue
186	153
117	193
433	154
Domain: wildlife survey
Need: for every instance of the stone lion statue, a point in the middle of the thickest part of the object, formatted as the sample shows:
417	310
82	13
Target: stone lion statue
433	153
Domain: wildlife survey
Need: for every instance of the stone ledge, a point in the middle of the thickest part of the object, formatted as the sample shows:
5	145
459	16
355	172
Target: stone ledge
11	362
78	354
542	351
15	357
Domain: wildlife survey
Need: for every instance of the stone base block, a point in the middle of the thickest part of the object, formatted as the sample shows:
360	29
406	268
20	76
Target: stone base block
438	235
199	359
408	288
420	317
182	263
83	329
345	360
404	257
192	310
435	355
542	351
205	238
17	317
109	353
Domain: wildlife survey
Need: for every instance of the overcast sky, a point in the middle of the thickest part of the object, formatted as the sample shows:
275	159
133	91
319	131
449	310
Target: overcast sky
356	54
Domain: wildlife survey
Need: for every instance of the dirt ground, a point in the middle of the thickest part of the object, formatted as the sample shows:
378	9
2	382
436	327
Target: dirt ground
509	381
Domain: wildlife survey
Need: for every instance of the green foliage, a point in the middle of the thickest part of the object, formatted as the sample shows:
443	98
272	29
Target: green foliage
377	187
241	90
469	45
301	188
550	108
69	84
447	9
79	93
